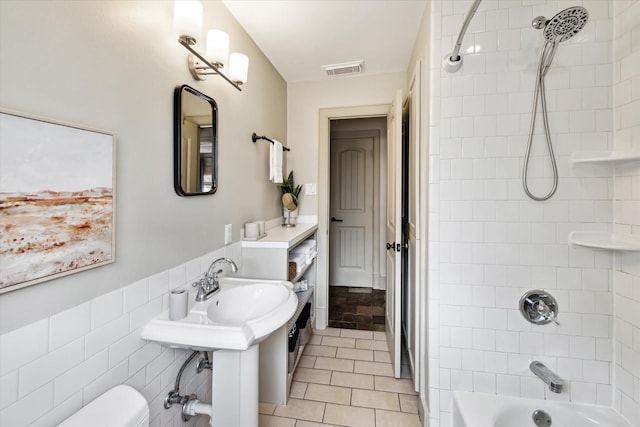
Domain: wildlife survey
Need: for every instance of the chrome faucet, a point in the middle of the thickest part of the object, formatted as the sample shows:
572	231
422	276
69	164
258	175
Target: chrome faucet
547	375
209	285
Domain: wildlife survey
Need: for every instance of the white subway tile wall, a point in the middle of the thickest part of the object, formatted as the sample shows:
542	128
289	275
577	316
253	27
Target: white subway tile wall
489	243
626	275
51	368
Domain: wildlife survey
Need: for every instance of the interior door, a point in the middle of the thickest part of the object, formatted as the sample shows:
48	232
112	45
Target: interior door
351	209
412	254
394	232
190	156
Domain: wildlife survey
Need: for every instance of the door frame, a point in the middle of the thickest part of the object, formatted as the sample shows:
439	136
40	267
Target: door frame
417	229
393	233
324	140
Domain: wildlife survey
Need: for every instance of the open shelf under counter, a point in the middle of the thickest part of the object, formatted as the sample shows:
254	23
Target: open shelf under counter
303	298
605	240
605	158
303	271
268	258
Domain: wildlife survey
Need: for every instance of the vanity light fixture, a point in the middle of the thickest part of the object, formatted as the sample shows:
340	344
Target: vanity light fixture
217	47
187	23
238	67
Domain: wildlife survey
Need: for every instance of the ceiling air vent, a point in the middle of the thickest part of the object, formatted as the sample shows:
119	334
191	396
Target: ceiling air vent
343	69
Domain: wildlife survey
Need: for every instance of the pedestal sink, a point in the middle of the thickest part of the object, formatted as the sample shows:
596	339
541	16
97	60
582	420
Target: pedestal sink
231	323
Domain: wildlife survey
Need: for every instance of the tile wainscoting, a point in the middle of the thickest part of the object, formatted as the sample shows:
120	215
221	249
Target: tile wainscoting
51	368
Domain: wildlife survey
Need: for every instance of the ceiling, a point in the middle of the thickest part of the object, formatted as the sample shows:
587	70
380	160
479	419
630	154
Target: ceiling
300	36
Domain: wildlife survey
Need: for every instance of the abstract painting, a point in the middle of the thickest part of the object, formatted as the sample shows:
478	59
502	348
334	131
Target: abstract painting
56	199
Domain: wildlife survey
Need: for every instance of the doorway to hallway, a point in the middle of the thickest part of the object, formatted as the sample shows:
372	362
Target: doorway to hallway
389	184
356	201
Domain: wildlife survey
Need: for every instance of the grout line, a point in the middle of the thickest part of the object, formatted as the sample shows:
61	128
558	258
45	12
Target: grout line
324	408
350	404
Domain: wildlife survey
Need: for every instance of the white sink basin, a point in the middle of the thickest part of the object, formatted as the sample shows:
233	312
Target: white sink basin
242	313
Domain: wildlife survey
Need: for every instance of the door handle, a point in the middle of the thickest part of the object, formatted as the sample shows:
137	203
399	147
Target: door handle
396	247
334	219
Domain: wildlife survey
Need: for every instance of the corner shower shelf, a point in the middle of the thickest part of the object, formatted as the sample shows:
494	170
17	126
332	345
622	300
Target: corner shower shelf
605	158
605	240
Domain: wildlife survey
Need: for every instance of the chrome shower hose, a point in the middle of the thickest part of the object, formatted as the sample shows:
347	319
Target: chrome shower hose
548	51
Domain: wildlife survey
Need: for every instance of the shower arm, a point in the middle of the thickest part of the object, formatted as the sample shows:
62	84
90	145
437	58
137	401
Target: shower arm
453	61
467	20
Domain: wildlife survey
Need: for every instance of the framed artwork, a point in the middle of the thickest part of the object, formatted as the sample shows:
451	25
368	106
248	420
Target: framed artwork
57	199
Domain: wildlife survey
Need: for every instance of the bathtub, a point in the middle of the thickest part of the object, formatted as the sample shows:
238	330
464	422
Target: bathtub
486	410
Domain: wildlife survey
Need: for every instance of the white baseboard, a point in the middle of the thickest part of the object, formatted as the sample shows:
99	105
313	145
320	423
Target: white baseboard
351	286
379	282
423	413
321	318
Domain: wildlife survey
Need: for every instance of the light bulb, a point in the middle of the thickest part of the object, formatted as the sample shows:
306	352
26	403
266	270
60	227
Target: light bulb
238	67
217	47
187	18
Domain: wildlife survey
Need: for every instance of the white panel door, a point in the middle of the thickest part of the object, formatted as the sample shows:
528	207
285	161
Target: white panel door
351	209
190	156
394	231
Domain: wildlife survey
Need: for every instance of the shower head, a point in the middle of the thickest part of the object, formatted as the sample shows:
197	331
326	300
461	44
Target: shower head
564	25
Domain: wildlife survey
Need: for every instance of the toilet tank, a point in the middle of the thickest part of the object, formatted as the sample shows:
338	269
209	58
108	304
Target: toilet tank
122	406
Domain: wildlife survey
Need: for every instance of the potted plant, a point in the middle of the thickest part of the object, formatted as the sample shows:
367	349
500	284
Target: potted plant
290	193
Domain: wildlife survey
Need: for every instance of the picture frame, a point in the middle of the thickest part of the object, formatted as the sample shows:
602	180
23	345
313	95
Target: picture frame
57	199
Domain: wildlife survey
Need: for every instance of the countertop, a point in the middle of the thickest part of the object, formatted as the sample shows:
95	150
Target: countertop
283	237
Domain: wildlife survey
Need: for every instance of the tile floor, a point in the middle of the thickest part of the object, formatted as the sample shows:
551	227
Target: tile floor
356	308
344	378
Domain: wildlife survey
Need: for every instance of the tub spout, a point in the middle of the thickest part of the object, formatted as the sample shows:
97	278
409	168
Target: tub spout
547	375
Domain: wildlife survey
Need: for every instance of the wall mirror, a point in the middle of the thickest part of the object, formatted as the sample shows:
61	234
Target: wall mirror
195	130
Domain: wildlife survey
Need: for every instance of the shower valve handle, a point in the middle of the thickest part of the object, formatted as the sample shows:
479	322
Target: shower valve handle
546	312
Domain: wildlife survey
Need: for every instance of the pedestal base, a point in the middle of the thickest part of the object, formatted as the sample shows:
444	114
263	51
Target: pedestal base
235	388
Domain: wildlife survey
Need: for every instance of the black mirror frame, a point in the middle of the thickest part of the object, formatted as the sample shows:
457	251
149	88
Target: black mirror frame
177	140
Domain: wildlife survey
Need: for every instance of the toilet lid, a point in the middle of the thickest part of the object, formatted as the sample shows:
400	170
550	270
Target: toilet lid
122	406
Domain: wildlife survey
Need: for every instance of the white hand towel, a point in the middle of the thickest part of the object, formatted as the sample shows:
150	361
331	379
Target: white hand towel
272	158
275	162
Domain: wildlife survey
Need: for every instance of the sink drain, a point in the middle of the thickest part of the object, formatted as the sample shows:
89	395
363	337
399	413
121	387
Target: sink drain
541	418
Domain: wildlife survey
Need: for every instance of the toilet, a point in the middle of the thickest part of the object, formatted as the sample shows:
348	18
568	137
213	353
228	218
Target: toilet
122	406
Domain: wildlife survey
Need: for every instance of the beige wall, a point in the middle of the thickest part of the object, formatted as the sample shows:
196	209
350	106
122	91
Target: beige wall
304	101
113	65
